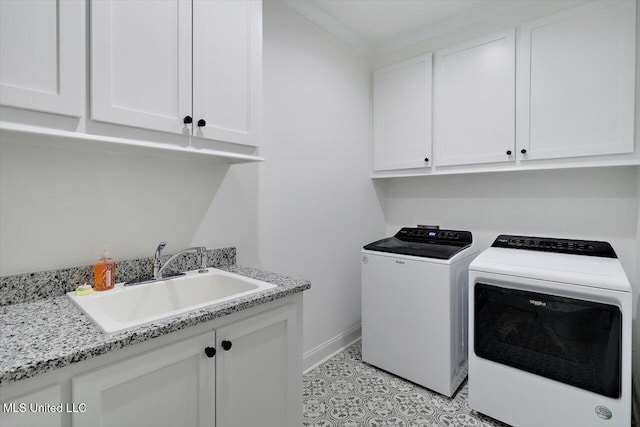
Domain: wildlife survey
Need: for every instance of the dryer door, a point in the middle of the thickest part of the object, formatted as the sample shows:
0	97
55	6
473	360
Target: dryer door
570	340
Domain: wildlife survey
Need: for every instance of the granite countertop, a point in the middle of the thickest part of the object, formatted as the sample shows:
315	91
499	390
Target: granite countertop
39	336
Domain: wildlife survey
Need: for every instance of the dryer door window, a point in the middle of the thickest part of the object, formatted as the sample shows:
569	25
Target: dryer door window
569	340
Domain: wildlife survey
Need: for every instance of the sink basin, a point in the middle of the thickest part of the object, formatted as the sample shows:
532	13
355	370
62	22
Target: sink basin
127	307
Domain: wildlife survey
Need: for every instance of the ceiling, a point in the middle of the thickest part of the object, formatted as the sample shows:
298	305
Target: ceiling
379	26
379	20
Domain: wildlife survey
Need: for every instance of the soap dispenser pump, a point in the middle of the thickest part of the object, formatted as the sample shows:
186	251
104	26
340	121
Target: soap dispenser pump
105	272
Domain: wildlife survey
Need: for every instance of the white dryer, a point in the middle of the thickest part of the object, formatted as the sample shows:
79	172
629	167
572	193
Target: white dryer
550	333
414	306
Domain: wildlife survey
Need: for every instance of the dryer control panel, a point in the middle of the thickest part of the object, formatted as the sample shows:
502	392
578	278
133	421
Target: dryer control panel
565	246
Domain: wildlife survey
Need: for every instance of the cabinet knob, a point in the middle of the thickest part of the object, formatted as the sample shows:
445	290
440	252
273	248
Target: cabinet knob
508	152
523	151
210	351
226	345
201	123
426	159
187	120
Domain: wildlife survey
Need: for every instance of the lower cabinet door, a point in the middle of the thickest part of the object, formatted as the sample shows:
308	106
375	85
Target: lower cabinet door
172	386
259	372
31	409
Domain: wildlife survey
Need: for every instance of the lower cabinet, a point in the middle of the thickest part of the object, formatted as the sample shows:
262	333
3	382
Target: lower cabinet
171	386
243	370
257	371
241	374
27	410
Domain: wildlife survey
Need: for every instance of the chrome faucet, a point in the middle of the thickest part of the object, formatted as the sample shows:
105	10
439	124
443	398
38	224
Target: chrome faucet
158	267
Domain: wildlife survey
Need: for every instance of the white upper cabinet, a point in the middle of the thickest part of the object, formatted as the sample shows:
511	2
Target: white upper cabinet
402	115
474	112
42	61
180	66
227	69
141	63
576	82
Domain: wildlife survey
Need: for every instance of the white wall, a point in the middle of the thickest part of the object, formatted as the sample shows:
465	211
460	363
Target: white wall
318	206
636	325
59	206
231	218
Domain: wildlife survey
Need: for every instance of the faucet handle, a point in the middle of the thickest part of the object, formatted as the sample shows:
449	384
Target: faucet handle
157	260
202	251
160	247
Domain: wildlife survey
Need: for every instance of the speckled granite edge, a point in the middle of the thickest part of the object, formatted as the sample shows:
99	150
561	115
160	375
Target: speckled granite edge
43	335
30	287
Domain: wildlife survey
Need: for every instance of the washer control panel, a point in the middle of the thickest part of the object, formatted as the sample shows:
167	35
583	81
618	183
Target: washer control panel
427	235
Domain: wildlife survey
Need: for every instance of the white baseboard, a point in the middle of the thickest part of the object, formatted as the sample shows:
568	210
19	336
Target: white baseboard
328	349
635	399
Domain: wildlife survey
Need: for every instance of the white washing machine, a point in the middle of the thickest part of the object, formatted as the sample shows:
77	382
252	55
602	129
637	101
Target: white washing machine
550	333
414	306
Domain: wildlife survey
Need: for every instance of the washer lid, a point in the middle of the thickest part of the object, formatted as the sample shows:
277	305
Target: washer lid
427	243
599	272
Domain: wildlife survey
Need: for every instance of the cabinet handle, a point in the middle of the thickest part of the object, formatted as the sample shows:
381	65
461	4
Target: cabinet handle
226	345
210	351
187	120
201	123
508	152
523	151
426	159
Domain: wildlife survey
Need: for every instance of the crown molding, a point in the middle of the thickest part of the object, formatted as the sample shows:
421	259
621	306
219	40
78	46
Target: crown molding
328	23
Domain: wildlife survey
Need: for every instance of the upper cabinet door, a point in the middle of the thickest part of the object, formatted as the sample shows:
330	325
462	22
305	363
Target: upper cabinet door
141	63
577	82
402	115
475	101
227	70
42	64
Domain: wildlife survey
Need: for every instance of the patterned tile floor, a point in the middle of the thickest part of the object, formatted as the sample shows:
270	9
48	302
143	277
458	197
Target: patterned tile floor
345	392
